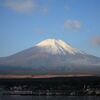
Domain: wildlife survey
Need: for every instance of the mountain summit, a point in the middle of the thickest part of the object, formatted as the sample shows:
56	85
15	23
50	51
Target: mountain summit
54	46
50	56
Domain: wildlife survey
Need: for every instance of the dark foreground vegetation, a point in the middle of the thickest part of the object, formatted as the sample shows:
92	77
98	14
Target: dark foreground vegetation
69	86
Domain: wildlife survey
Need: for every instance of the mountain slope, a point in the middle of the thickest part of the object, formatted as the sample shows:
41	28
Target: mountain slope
51	56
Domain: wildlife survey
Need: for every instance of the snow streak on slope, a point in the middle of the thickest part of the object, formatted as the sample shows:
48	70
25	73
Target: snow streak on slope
57	47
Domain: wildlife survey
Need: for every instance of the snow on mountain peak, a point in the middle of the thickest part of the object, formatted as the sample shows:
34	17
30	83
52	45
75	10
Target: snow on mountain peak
56	47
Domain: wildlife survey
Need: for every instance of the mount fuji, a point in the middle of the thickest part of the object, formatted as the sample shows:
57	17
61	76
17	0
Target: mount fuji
50	56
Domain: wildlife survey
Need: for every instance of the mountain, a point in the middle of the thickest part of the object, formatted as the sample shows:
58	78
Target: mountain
50	56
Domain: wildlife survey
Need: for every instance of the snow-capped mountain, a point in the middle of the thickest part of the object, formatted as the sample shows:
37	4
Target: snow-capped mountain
50	56
53	46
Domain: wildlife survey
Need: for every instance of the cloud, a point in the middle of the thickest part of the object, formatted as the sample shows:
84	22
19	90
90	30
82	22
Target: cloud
95	41
45	10
26	6
20	5
73	24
